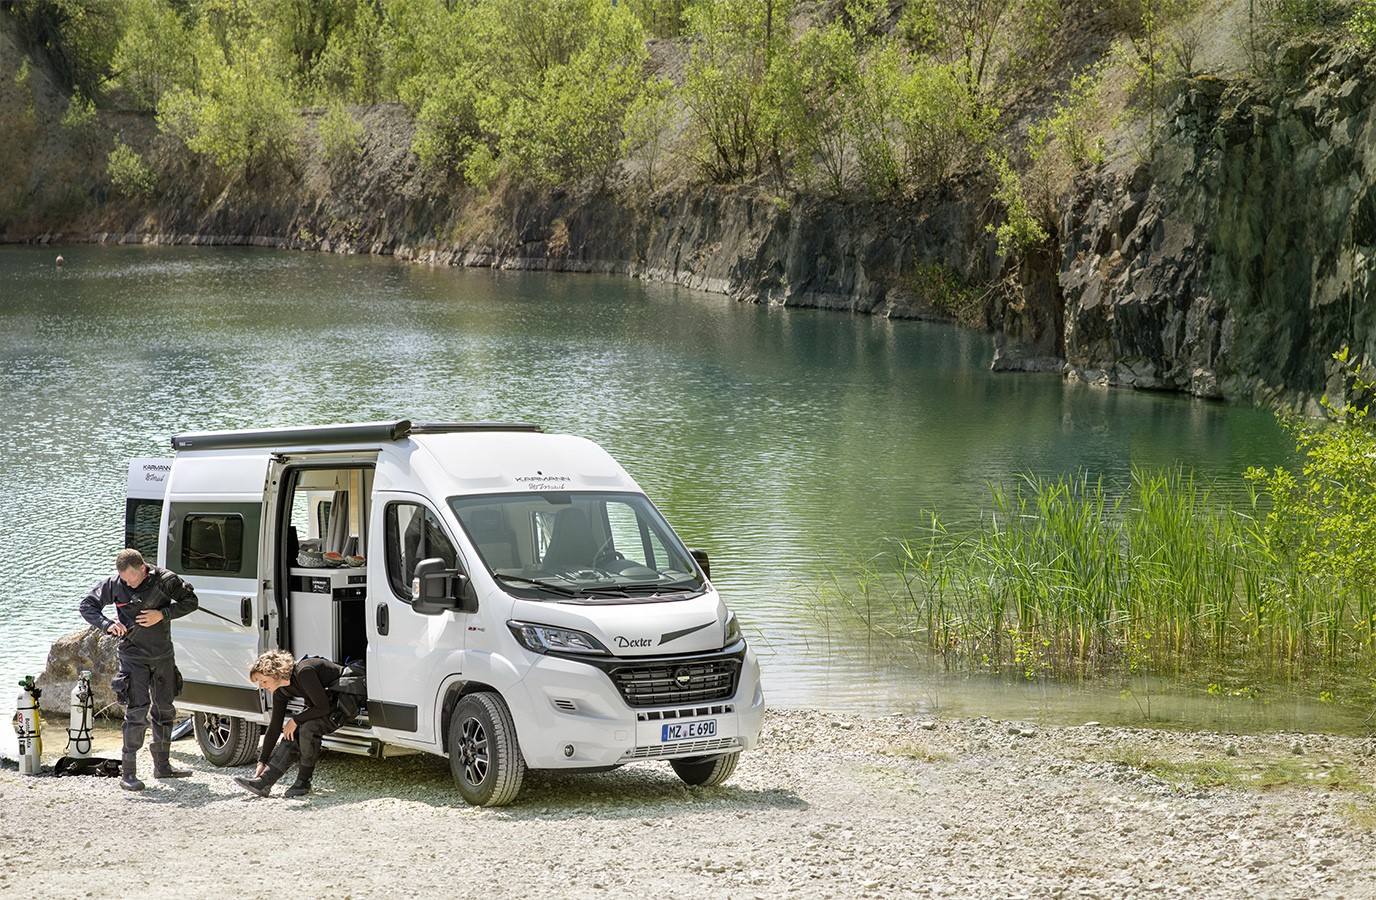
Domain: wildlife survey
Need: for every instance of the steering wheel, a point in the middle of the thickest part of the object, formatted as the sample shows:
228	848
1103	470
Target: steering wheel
606	555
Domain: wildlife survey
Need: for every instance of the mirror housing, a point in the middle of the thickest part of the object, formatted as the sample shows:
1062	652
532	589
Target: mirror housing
702	560
436	589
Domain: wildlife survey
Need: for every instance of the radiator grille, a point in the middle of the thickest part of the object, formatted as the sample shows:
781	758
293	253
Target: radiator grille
677	683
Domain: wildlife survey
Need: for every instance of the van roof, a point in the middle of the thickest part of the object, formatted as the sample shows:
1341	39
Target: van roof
325	435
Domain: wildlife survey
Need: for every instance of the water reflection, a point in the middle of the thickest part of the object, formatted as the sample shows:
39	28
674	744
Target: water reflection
780	440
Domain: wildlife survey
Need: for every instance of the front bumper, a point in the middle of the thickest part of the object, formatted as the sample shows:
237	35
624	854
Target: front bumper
574	713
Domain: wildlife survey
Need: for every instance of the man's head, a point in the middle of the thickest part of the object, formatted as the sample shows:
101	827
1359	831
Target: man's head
130	567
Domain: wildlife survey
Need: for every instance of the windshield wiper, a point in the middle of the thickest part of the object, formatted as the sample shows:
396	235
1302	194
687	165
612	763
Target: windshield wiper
545	585
658	587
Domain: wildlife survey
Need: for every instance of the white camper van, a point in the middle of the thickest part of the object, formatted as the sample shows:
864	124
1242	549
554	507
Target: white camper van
518	600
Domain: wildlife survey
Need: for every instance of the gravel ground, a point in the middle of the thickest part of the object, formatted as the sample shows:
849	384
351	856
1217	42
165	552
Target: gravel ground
827	806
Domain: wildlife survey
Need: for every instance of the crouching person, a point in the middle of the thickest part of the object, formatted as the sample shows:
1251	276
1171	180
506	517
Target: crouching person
278	673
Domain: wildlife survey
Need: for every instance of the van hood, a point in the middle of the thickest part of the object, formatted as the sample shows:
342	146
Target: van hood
692	625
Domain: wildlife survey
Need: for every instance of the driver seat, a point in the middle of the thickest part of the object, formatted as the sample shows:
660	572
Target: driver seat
571	544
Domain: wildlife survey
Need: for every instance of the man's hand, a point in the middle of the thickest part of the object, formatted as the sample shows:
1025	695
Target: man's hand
289	729
149	617
117	629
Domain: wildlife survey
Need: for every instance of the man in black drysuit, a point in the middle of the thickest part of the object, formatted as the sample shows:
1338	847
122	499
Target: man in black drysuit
146	600
310	680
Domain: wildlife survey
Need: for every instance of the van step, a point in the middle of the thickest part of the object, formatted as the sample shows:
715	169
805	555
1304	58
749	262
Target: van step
359	740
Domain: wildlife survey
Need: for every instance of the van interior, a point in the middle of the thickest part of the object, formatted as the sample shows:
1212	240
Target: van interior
323	533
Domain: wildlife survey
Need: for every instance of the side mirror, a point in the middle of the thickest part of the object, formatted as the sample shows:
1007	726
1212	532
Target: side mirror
703	561
436	589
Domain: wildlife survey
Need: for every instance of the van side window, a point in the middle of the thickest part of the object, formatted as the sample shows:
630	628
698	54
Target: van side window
413	533
212	543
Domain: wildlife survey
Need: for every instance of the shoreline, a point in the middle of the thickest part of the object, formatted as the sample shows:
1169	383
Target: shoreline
827	806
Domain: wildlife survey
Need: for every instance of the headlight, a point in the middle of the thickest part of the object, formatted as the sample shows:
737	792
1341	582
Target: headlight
733	630
549	639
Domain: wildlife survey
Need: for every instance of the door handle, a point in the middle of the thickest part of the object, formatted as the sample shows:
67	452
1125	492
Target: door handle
245	611
382	618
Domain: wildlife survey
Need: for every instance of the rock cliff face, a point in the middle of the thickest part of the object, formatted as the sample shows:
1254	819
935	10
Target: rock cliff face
1245	255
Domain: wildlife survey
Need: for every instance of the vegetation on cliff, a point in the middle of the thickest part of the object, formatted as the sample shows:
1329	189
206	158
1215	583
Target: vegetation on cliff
870	97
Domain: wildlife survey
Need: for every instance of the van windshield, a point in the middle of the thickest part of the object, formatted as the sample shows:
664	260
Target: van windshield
592	546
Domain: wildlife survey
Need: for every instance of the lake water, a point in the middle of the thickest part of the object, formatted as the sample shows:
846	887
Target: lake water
783	441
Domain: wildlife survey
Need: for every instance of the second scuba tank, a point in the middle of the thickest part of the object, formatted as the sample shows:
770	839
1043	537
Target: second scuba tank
83	716
28	728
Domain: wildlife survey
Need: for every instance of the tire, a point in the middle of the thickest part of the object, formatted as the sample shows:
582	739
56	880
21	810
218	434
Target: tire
226	740
484	755
705	771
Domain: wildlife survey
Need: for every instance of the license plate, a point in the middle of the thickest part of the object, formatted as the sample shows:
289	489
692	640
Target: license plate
689	731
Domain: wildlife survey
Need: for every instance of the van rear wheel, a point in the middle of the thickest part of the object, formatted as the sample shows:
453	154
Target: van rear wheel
226	740
705	771
484	755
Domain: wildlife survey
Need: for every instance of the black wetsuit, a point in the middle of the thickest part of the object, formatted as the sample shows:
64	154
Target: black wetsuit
310	681
146	663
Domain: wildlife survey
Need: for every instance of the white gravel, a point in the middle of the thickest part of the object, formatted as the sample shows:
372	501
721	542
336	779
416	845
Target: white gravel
827	806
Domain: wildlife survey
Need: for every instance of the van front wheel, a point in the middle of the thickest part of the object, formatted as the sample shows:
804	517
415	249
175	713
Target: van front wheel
226	740
483	752
700	772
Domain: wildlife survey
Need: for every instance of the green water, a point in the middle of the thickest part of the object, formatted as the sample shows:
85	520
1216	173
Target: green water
780	440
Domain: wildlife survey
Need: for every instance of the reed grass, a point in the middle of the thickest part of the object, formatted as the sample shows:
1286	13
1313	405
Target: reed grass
1067	578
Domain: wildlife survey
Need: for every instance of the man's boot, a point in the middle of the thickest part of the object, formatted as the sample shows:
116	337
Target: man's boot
260	784
302	785
162	766
128	773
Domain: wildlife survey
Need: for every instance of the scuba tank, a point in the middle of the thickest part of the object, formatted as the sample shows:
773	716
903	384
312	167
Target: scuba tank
83	715
27	728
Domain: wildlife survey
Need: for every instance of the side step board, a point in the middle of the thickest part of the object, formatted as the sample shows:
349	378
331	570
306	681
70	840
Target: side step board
358	739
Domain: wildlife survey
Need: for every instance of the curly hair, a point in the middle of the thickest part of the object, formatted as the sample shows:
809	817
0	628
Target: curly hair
274	664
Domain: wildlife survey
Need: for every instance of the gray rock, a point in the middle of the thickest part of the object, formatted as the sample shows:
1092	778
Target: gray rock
86	650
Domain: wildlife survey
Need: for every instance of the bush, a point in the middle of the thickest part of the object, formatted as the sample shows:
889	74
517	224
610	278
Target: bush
341	135
128	173
80	114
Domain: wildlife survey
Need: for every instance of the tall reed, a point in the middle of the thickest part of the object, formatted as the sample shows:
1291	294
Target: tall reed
1066	577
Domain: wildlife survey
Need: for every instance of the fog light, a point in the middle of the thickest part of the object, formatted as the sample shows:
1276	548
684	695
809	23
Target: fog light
568	750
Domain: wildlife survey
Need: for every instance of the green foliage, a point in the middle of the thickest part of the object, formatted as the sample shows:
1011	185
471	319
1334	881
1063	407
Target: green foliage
1019	231
988	44
659	18
77	36
1323	516
1299	16
1157	52
341	135
733	44
353	64
853	108
814	90
239	111
154	54
647	118
1362	22
1074	129
939	286
128	173
536	88
80	114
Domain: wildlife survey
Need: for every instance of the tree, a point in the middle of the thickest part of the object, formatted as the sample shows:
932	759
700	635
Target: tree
1323	516
732	44
239	111
154	53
